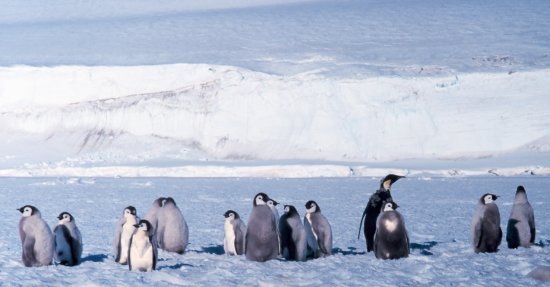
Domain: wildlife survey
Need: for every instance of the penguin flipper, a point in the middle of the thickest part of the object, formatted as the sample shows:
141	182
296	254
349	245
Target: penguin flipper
28	251
116	242
155	250
129	260
239	240
531	221
478	234
71	242
361	223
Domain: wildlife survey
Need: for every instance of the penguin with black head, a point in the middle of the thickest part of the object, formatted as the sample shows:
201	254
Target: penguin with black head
373	208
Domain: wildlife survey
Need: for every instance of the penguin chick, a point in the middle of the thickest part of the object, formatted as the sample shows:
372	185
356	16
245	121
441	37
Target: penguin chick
262	241
235	230
173	233
36	238
142	254
293	235
391	240
486	232
68	241
124	230
318	231
521	225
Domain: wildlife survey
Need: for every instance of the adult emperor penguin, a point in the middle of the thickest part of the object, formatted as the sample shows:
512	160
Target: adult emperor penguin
152	214
124	230
486	232
36	238
261	241
235	230
318	231
68	241
142	255
373	208
521	225
172	230
390	240
293	235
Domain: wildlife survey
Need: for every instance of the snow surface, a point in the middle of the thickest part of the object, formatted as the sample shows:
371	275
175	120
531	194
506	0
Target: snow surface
295	88
437	213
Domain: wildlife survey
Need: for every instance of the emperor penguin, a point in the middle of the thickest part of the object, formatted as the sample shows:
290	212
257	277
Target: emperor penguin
152	214
235	230
391	240
173	233
521	225
142	254
486	232
124	230
36	238
373	208
293	235
261	241
68	241
318	231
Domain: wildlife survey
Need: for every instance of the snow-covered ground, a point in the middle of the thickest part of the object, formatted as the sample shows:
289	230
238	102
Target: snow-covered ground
437	212
295	88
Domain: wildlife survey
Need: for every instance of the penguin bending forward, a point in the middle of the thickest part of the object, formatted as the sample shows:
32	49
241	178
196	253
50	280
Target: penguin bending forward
68	241
261	242
390	239
36	238
142	254
234	230
318	231
521	225
124	230
173	233
152	214
293	235
486	232
373	208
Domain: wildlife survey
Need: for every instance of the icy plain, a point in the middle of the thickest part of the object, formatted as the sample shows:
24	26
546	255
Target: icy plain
437	211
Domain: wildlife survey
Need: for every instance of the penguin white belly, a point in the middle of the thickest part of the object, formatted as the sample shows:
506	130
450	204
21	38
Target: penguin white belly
141	253
390	225
308	216
229	242
127	231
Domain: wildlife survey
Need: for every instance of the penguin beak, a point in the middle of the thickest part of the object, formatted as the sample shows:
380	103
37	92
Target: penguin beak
136	225
60	217
20	209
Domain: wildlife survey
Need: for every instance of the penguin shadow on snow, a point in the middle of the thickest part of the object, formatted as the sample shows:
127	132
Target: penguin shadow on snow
212	249
543	243
349	251
424	247
175	266
95	258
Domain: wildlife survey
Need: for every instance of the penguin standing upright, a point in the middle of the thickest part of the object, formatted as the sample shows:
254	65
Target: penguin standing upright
486	232
273	206
293	235
373	208
261	243
173	233
124	230
390	240
521	225
152	214
235	230
36	238
318	231
68	241
142	254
